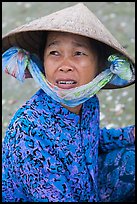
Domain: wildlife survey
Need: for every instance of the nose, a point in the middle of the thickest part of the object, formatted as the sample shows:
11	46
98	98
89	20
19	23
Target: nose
67	65
65	68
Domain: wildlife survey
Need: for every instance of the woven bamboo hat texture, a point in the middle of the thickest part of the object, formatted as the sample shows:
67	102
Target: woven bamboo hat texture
77	19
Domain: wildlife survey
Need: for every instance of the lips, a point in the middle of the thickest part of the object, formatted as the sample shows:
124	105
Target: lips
66	83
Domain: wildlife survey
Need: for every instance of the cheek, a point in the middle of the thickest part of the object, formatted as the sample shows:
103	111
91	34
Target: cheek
93	68
89	72
48	67
88	75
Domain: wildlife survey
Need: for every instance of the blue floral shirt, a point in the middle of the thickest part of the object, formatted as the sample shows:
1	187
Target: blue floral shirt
51	154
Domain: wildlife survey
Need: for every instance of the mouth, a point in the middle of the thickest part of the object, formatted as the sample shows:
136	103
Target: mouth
66	84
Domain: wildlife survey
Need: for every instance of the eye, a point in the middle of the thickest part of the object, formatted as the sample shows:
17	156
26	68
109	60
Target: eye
79	53
56	53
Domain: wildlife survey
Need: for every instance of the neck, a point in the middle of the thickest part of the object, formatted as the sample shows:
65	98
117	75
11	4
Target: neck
75	109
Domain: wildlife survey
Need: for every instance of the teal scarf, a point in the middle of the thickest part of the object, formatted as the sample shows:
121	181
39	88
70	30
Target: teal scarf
16	60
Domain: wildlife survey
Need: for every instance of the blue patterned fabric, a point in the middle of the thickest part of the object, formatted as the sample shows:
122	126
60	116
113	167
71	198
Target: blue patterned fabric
116	180
51	154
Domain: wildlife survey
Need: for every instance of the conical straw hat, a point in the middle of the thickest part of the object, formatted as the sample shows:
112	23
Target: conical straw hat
77	19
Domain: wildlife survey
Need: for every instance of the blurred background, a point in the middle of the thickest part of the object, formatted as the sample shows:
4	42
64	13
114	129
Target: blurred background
117	107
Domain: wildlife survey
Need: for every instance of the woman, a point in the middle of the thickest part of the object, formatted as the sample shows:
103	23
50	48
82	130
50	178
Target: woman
54	149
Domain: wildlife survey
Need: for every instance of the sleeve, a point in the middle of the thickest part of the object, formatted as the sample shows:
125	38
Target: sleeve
12	188
115	138
31	171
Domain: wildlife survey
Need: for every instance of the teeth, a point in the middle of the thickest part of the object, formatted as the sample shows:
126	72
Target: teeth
66	82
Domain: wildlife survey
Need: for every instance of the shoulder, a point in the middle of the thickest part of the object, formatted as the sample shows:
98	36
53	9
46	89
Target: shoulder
32	108
28	116
24	123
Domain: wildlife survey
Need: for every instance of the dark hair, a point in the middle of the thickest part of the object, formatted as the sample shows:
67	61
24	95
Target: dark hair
43	42
103	51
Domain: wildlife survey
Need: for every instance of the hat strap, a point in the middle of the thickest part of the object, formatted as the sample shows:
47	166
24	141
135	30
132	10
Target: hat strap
16	60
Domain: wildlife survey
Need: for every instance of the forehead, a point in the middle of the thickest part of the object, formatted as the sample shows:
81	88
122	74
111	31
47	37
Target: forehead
62	36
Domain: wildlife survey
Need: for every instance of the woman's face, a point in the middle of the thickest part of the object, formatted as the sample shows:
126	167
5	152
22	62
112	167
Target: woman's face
69	60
